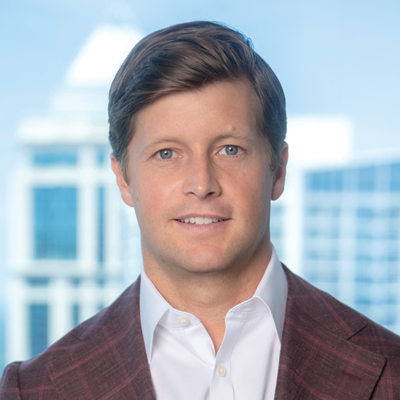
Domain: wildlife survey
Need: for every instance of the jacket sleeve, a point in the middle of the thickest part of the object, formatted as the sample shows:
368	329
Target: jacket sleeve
9	383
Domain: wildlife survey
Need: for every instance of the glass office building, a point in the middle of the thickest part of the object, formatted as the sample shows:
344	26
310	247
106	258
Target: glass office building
66	262
69	226
351	234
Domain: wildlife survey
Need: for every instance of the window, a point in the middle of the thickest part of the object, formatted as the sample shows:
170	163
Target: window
37	281
277	210
335	211
314	211
101	281
392	213
350	179
336	180
363	272
392	257
363	257
323	273
362	296
395	177
76	282
366	213
325	181
312	233
392	273
38	323
100	213
54	156
100	156
55	222
391	299
75	314
312	255
388	320
366	179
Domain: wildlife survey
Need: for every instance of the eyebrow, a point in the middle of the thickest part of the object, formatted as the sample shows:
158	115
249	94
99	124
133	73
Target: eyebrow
224	136
234	135
156	142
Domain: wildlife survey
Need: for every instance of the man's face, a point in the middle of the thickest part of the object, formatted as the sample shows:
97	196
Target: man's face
198	157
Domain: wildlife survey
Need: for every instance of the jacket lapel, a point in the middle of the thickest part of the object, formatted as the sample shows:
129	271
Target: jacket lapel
110	361
317	360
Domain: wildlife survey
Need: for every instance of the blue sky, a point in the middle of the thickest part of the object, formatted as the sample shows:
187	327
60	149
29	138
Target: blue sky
332	56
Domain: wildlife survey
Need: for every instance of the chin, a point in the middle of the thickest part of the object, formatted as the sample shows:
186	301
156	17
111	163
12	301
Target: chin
206	263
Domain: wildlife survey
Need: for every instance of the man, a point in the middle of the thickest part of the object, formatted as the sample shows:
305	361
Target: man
197	127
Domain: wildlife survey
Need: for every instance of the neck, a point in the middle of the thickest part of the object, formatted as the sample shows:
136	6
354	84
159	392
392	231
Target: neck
209	295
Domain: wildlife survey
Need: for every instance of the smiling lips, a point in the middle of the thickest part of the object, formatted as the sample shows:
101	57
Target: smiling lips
200	220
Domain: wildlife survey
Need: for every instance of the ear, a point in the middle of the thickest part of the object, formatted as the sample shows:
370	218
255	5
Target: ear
280	173
123	186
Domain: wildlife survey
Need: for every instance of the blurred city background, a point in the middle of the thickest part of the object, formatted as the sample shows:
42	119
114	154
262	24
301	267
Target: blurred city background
69	246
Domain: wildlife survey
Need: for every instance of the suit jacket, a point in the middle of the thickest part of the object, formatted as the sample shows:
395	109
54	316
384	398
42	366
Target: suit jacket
329	351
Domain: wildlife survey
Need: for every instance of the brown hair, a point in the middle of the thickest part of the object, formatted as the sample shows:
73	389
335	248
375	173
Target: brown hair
189	56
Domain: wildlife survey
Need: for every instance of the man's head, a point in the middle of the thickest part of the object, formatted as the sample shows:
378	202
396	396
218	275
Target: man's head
197	125
187	57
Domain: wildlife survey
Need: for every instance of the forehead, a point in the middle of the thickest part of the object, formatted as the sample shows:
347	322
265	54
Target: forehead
218	109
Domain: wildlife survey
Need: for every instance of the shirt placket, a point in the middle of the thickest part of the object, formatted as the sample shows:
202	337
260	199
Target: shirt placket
221	387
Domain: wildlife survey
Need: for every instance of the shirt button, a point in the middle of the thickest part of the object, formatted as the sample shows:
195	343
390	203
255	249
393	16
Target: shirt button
221	370
183	321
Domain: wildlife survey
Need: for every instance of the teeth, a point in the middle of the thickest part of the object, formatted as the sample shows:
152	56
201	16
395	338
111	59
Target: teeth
200	220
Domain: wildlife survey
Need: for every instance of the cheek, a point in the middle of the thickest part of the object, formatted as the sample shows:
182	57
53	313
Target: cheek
256	202
153	193
254	184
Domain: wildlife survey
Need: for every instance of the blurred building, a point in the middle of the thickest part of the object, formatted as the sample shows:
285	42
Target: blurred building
314	141
68	255
352	236
338	222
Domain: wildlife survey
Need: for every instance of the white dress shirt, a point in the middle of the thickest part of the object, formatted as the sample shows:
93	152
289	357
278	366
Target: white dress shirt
181	354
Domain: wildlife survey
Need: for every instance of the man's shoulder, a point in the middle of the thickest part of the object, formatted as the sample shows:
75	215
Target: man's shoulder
342	320
328	310
111	318
331	349
91	335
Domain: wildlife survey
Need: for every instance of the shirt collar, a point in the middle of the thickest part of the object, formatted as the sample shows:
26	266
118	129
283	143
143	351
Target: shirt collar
152	308
272	291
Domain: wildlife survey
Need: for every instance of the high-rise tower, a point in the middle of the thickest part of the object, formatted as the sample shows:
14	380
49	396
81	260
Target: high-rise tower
66	244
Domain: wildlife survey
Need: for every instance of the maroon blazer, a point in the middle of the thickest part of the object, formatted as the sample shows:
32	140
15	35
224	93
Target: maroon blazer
329	351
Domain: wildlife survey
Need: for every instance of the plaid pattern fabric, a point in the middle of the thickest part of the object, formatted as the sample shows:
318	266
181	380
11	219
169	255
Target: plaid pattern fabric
103	358
329	351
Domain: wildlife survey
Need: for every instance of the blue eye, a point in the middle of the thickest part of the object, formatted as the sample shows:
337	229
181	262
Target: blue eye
231	150
165	154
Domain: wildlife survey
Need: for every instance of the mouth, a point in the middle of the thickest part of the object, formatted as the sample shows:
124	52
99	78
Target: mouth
200	220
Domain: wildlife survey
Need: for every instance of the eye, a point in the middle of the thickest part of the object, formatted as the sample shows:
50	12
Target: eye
231	150
165	154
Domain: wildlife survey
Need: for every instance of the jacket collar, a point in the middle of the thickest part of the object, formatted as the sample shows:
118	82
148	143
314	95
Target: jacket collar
317	359
110	360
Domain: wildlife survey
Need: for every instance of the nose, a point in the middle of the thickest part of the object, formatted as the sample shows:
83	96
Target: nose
201	178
